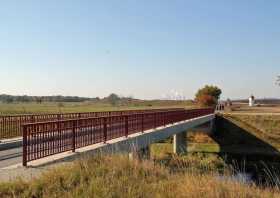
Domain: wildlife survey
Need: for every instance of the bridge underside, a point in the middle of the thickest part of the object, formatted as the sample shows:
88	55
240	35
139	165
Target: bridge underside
137	143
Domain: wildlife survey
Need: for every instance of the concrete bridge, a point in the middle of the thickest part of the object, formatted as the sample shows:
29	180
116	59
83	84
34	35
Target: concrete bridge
50	142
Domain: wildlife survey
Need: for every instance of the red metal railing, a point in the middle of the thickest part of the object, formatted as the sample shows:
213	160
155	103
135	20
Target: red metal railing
10	126
48	138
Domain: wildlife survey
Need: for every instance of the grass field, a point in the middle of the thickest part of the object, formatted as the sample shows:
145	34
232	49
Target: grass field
117	176
68	107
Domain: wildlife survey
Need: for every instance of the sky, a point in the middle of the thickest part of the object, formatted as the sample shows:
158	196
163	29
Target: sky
145	49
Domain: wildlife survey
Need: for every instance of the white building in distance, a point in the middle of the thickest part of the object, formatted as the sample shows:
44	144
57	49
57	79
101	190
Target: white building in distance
251	101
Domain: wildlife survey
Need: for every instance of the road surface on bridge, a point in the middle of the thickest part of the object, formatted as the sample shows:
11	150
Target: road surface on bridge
10	157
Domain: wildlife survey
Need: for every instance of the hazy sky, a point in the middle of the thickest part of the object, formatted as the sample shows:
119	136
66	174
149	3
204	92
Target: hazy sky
141	48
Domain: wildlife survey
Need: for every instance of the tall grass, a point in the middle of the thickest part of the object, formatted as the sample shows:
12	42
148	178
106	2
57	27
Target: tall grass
117	176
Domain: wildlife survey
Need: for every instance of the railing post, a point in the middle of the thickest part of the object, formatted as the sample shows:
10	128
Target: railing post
32	119
126	125
164	122
142	122
24	146
74	136
105	129
154	120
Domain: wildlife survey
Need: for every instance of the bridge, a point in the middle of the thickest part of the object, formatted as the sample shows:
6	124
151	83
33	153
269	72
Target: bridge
124	131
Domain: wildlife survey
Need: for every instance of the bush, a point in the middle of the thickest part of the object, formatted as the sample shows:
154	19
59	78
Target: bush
208	95
206	100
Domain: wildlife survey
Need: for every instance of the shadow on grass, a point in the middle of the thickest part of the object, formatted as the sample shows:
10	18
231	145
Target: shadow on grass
240	148
232	137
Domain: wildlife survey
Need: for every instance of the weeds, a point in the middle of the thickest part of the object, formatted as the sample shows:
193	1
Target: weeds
117	176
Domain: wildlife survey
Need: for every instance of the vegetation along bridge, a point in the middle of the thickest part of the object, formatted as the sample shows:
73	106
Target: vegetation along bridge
47	138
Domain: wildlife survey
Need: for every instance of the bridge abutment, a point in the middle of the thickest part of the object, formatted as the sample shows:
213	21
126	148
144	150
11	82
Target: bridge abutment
180	143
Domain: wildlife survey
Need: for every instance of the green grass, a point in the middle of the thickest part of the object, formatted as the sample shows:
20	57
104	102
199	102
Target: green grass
166	149
206	147
117	176
68	107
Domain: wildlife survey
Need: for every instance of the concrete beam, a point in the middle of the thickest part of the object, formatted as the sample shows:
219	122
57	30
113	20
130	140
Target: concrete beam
208	127
180	143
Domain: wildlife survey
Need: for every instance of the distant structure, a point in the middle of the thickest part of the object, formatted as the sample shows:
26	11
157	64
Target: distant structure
220	106
228	103
251	101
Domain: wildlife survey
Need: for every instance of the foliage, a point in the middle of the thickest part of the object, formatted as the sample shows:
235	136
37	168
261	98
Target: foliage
113	99
206	100
39	99
117	176
208	95
210	90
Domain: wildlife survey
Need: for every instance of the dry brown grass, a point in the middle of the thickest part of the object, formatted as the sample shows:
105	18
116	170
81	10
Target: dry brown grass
200	138
117	176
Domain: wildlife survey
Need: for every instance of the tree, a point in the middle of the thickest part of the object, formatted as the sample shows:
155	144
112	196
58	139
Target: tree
38	100
9	100
113	99
206	100
208	95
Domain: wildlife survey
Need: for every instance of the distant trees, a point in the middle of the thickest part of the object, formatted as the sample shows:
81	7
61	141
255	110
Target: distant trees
208	95
9	100
39	99
113	99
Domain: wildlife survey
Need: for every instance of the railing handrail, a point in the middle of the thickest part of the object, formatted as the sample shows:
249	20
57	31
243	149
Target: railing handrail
48	138
88	118
82	112
10	125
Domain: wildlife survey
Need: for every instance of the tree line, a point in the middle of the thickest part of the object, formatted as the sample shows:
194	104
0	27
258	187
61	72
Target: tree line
39	99
112	99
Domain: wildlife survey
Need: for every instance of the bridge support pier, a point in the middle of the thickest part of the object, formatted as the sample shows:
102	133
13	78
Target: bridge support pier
180	143
143	153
